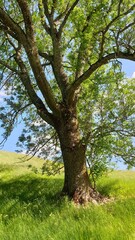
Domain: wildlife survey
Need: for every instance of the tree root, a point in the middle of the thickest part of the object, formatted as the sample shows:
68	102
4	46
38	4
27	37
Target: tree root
90	195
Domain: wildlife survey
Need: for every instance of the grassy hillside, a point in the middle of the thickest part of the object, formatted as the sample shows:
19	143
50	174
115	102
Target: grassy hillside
30	207
20	160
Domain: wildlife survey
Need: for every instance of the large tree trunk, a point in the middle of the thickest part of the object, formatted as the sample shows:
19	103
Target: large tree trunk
76	183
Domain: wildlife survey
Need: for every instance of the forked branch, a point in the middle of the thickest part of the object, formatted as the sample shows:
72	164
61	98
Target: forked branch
67	16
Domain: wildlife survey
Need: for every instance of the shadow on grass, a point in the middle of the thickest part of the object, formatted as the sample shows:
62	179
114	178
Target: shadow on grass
109	188
36	196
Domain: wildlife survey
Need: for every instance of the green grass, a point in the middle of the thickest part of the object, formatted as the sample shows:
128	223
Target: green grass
30	206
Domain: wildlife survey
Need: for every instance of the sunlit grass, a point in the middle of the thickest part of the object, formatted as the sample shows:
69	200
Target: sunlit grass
119	184
31	207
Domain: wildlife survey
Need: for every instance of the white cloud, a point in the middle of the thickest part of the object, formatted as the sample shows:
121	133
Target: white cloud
133	75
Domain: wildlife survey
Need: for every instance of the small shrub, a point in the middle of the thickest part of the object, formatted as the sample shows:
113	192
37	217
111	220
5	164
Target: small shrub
30	166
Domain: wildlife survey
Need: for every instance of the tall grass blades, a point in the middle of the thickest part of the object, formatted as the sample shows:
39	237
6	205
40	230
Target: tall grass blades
31	207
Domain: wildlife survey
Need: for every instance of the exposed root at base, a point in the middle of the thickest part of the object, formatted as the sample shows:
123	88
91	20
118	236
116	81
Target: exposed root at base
83	197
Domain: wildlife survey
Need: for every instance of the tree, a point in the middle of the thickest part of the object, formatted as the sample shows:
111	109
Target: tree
48	51
108	120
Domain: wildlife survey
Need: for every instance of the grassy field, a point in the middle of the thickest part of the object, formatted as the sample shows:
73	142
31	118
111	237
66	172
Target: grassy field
30	207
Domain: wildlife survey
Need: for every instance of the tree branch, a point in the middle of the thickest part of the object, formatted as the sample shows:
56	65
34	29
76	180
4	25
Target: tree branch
12	117
41	80
11	26
42	16
127	26
46	56
38	147
56	58
5	64
53	7
67	16
27	17
48	15
61	15
118	16
33	56
24	76
95	66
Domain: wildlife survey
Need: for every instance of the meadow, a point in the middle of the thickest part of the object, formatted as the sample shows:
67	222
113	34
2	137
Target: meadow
31	207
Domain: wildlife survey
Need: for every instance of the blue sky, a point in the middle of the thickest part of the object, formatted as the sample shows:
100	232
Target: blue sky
127	66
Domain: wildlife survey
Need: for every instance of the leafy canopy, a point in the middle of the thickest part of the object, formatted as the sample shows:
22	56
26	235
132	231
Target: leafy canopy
53	51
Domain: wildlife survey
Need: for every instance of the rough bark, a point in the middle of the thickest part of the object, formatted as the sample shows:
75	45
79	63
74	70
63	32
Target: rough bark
76	182
77	185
